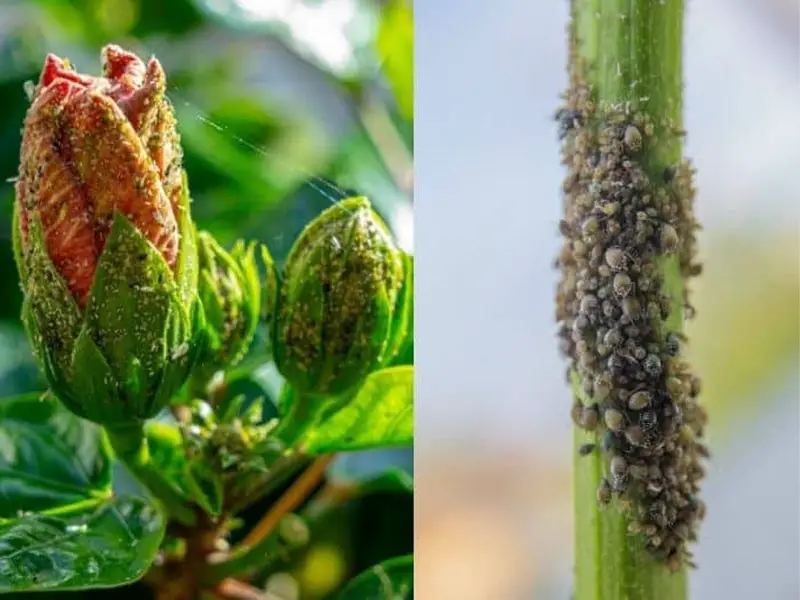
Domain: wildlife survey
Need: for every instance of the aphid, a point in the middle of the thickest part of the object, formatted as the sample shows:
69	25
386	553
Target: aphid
602	386
588	304
638	472
633	138
604	271
615	258
609	310
589	417
639	353
634	435
589	229
614	419
613	337
577	413
603	492
586	449
639	400
669	239
631	307
618	466
652	365
647	420
622	284
619	484
675	387
615	364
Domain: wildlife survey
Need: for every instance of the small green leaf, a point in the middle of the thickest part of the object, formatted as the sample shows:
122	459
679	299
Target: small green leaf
381	413
48	457
93	544
390	580
186	268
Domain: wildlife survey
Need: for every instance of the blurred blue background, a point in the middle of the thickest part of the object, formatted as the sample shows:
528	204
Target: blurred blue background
493	442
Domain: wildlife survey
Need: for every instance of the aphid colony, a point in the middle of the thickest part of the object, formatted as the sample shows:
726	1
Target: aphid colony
623	221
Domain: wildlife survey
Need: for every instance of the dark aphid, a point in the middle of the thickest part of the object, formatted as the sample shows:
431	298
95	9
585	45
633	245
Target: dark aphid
586	449
567	121
614	419
672	344
615	364
603	492
669	173
639	400
648	420
577	414
652	365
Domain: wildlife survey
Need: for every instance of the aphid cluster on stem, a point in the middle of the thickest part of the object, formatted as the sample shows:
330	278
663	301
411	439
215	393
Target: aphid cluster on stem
625	222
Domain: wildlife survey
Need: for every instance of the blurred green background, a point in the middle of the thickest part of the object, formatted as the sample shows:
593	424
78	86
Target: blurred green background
283	107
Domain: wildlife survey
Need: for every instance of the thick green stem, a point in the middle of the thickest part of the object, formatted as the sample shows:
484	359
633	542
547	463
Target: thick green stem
628	52
130	446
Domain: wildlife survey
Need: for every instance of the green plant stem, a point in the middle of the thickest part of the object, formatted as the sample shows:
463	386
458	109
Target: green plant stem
130	446
630	54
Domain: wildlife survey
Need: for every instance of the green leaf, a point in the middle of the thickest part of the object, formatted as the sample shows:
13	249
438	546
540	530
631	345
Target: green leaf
396	49
381	413
392	579
93	544
48	457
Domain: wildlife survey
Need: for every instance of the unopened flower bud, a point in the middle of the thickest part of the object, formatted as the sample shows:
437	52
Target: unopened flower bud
335	317
104	240
230	291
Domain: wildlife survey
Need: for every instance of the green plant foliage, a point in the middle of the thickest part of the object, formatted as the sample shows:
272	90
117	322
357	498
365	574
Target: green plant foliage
92	544
395	46
60	528
380	414
389	580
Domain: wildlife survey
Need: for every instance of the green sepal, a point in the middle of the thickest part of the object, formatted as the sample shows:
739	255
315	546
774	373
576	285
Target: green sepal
128	315
269	291
93	392
186	268
52	317
183	357
403	315
16	242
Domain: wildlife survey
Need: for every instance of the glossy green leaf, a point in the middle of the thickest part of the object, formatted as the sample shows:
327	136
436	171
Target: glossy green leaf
390	580
48	456
93	544
396	48
381	414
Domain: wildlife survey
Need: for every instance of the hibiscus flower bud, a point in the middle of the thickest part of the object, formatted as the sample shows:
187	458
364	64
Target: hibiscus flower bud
104	240
339	299
230	291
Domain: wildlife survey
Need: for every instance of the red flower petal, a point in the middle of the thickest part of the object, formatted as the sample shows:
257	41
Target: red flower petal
117	173
49	187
